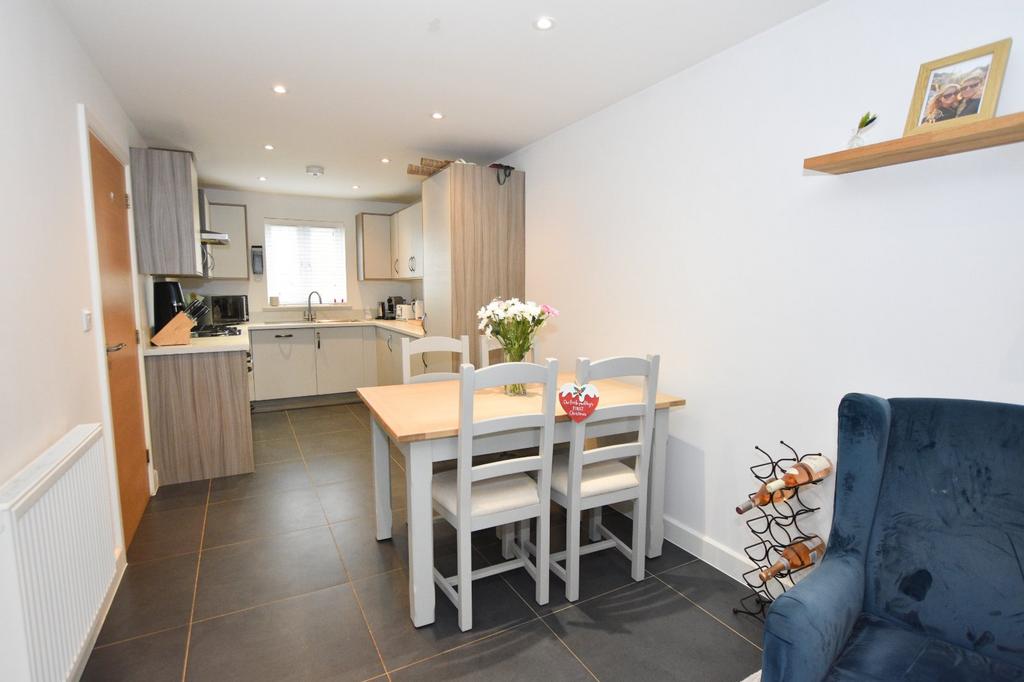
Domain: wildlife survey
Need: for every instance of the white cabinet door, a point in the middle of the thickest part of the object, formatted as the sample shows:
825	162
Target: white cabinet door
229	261
373	246
396	257
284	362
339	359
369	356
410	242
387	355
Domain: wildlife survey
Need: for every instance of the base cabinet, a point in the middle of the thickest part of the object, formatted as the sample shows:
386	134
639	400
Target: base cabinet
199	415
339	359
284	362
389	358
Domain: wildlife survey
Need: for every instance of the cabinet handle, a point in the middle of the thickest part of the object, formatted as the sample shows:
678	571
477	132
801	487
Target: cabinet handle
412	263
318	340
388	339
282	336
396	266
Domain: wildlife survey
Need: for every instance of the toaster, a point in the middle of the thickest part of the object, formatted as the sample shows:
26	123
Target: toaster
404	311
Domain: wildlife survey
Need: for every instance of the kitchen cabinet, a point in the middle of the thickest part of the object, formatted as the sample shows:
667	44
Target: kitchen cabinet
474	249
373	246
407	243
165	205
284	362
199	415
389	358
231	260
339	359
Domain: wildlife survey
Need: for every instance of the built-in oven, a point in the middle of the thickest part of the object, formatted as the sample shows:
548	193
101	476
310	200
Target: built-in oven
229	309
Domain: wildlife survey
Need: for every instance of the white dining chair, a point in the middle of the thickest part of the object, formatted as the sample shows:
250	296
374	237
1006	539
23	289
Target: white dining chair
474	497
587	479
432	344
489	345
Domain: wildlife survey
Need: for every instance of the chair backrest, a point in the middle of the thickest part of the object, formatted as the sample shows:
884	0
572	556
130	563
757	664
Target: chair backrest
946	547
638	450
432	344
542	418
489	345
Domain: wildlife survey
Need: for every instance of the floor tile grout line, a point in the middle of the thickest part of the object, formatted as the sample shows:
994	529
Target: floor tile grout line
337	549
541	619
463	645
267	603
713	616
195	585
139	636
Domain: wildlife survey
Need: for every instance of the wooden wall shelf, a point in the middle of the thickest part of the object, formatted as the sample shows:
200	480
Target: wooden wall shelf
990	133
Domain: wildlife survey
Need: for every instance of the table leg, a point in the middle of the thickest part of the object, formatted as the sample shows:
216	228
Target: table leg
418	474
381	480
656	486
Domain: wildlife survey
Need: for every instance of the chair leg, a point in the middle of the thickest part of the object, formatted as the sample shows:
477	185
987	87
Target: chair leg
594	519
543	550
572	552
524	535
508	538
465	576
639	545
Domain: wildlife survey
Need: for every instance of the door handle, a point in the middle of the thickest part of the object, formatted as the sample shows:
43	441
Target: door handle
116	347
283	336
396	266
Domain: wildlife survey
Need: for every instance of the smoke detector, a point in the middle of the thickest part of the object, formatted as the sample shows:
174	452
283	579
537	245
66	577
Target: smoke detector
315	171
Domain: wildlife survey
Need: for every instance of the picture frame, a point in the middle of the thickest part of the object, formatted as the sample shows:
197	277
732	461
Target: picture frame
957	90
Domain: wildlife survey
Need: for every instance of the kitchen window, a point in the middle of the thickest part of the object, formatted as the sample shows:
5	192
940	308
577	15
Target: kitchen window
305	257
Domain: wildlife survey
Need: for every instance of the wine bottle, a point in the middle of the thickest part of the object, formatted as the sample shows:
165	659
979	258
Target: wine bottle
795	556
772	491
808	470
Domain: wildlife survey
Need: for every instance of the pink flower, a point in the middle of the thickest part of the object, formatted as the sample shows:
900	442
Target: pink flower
548	310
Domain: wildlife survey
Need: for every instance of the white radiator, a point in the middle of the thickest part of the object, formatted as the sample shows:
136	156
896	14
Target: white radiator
58	560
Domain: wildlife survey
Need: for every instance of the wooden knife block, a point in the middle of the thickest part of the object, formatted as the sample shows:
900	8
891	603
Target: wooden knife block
177	332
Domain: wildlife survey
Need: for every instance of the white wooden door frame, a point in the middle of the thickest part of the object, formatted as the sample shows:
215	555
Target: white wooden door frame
419	457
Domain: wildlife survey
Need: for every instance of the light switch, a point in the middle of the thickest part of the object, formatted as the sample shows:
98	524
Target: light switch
86	320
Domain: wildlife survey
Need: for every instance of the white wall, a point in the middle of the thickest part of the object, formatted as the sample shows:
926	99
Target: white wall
679	222
48	365
261	206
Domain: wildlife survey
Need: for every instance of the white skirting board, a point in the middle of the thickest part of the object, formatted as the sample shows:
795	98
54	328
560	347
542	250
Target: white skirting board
725	559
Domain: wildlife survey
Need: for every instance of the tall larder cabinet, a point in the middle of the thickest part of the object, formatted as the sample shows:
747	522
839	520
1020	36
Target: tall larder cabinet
474	248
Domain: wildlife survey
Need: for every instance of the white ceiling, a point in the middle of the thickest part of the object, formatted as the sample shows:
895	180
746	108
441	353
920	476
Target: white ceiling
364	77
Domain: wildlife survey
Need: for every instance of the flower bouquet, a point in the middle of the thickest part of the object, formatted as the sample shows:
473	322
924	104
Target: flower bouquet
514	324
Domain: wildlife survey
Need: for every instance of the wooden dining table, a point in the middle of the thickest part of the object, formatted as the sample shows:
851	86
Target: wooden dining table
422	420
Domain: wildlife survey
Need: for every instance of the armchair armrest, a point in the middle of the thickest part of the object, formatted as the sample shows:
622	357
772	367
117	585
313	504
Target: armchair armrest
807	627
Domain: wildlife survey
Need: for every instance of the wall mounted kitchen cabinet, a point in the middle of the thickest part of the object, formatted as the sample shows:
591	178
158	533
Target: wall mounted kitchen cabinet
231	260
165	202
373	246
407	243
284	362
474	249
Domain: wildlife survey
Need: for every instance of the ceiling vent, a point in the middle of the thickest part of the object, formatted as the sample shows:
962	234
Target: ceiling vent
315	171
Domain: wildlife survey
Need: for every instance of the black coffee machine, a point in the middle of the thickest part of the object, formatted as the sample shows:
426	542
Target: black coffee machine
391	306
168	301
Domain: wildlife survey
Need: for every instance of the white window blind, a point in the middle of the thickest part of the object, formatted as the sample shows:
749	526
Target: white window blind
305	258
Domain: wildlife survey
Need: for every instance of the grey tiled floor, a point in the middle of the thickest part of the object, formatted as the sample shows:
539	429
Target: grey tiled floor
276	575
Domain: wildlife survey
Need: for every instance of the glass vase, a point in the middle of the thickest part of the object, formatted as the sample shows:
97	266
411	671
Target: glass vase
515	356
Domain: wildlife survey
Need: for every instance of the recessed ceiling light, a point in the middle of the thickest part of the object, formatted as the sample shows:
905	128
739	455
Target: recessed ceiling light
437	116
269	147
280	89
262	178
315	171
544	23
385	160
355	186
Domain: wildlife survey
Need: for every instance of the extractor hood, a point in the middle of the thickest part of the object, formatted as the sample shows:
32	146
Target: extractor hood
211	237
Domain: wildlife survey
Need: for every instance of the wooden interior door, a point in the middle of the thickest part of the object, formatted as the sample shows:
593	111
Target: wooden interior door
116	283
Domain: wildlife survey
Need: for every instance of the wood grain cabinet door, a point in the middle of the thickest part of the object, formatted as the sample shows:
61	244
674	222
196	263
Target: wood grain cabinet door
283	362
339	359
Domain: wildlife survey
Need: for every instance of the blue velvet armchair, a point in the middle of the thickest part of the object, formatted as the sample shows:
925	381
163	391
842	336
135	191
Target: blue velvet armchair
923	577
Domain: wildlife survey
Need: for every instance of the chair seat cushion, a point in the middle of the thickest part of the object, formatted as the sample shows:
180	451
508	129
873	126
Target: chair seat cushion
598	478
880	649
489	496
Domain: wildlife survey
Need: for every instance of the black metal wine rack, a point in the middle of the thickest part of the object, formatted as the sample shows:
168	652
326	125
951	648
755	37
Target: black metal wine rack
775	525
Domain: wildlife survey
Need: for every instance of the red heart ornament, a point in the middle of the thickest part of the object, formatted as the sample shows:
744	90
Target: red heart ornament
579	402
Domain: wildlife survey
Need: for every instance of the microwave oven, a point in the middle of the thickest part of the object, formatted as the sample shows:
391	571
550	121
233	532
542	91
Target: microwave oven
229	309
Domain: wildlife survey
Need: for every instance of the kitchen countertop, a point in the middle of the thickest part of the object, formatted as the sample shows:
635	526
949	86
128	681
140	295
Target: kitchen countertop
228	344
